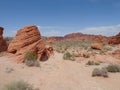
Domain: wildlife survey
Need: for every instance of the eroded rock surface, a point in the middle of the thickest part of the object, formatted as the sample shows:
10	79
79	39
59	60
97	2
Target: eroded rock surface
3	44
28	39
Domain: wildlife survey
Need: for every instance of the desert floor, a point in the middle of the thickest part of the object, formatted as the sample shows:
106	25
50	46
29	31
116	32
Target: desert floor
58	74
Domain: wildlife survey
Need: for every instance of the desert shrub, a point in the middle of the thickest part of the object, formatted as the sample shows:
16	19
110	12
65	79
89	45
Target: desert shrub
31	55
68	56
113	68
104	72
96	63
100	72
92	63
31	59
18	85
108	48
96	72
102	52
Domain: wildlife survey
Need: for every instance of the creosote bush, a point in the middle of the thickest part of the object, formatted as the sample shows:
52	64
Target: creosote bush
100	72
92	63
31	59
113	68
19	85
68	56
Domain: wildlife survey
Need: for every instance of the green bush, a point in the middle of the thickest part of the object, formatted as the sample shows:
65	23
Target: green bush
31	59
18	85
92	63
96	72
97	63
113	68
104	72
31	56
100	72
68	56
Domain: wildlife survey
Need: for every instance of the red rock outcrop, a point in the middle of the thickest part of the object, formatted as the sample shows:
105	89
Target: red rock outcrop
97	46
53	39
115	39
3	43
78	37
85	37
28	39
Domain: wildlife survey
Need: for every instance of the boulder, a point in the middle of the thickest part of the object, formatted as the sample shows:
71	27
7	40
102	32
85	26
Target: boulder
97	46
28	39
3	43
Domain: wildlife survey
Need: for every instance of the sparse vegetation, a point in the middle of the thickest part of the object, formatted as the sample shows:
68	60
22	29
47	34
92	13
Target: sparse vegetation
93	63
68	56
19	85
100	72
31	59
113	68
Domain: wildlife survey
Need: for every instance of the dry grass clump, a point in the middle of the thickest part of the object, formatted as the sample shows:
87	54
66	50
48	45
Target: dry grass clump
93	63
18	85
68	56
113	68
31	59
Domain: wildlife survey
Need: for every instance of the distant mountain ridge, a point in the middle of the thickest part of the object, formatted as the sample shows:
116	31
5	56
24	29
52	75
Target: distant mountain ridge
78	37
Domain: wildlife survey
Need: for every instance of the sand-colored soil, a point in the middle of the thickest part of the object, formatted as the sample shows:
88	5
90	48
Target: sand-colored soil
58	74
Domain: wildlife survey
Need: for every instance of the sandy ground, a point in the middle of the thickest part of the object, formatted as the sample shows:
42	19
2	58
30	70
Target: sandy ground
58	74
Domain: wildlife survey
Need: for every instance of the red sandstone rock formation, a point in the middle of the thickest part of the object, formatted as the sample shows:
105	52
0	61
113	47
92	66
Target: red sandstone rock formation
97	46
78	37
115	39
28	39
85	37
53	39
3	44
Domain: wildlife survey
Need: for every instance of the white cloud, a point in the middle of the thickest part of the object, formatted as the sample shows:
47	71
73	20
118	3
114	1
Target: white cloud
103	30
50	30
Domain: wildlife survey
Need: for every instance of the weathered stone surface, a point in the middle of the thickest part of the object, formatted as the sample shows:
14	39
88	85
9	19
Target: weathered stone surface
115	39
97	46
54	39
28	39
3	44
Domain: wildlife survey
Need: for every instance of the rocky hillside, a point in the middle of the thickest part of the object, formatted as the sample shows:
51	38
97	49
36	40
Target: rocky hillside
79	37
115	39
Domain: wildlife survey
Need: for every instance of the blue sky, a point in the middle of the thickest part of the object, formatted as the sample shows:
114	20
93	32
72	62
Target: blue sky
59	17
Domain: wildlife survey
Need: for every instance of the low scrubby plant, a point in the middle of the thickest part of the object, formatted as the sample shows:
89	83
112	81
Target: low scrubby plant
68	56
18	85
92	63
96	72
96	63
100	72
104	72
31	59
113	68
